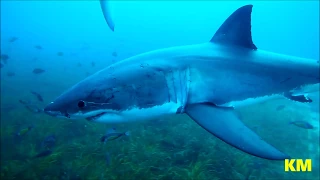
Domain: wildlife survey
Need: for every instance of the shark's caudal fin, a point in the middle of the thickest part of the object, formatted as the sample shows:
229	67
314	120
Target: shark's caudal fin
236	30
105	6
224	124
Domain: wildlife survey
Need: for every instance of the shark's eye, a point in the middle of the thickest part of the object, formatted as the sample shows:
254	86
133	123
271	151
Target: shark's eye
81	104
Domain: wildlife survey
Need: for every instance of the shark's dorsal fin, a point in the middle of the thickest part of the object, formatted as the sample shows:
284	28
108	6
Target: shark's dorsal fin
236	30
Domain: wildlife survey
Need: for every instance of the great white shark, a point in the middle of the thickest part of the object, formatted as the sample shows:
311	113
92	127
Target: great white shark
206	81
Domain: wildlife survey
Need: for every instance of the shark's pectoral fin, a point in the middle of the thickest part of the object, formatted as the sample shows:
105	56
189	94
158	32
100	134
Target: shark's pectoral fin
224	124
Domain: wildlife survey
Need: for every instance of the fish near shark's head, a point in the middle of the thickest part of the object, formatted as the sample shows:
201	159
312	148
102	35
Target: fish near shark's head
123	92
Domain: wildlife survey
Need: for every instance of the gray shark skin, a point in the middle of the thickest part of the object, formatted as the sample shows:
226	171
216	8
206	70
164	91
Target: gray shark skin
206	81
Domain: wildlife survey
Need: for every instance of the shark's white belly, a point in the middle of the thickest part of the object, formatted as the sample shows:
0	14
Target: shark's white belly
136	113
251	101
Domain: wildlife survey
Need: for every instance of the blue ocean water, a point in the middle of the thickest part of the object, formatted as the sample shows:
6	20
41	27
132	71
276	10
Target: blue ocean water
70	40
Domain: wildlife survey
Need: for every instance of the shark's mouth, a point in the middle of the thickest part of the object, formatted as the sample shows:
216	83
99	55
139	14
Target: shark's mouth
95	117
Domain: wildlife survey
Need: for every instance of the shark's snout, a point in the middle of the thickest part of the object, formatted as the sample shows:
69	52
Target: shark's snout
56	110
52	109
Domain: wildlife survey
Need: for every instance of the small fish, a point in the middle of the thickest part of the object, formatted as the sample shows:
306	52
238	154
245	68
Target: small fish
11	74
33	108
24	131
280	107
302	124
93	64
2	65
48	142
299	97
59	53
38	71
43	153
39	97
79	64
114	54
13	39
111	134
38	47
4	58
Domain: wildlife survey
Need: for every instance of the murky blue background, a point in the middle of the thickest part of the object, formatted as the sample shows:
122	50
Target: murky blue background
79	31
